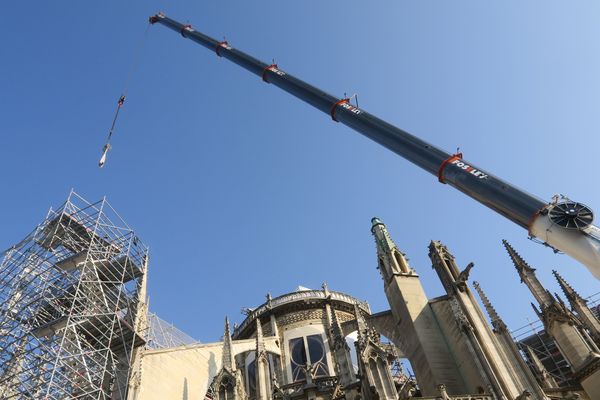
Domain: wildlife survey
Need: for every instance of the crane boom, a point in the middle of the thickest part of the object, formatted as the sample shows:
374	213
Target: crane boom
565	226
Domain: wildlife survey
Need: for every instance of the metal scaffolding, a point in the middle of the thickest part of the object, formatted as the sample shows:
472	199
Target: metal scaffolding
163	335
72	306
537	339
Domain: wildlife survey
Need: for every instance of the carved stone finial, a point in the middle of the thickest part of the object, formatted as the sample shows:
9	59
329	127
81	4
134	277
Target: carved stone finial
524	396
325	288
246	311
269	299
442	390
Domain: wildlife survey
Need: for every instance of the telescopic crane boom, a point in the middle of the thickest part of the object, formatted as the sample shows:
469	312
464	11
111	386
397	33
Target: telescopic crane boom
563	225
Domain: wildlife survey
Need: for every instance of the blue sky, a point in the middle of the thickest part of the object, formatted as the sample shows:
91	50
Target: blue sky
240	189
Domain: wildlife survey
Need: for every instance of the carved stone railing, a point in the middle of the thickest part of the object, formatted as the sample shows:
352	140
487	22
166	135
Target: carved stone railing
295	297
326	383
323	384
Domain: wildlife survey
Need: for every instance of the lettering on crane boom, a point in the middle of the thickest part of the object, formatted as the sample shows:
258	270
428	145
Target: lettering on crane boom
277	71
473	171
350	108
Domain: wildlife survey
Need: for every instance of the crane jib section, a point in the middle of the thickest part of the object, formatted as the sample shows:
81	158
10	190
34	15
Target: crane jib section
502	197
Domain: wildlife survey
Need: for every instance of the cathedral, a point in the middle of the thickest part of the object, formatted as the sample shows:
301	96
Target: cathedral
296	346
75	325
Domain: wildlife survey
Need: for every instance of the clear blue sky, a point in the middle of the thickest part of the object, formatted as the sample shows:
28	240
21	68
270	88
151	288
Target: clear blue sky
240	189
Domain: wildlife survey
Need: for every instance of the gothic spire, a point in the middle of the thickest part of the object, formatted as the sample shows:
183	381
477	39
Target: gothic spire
579	305
336	327
569	292
263	386
361	325
260	342
445	265
341	352
497	323
228	362
528	277
520	264
382	237
391	261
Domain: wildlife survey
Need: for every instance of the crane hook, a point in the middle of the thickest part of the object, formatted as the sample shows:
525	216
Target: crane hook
105	150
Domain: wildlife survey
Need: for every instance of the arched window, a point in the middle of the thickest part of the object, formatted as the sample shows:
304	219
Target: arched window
381	267
308	350
400	261
252	378
226	389
377	381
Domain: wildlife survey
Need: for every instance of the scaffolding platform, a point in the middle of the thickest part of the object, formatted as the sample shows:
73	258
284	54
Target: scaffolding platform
120	269
66	230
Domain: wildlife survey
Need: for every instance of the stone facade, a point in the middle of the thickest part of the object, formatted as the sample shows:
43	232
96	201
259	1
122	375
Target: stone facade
327	345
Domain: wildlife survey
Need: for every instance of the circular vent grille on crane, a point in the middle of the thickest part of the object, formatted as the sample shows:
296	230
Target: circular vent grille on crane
571	215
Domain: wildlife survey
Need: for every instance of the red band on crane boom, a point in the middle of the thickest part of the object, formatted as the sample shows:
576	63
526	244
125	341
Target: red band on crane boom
264	73
219	45
447	161
337	103
185	28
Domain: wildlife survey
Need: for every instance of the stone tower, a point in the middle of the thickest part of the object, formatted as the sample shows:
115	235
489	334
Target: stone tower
488	362
579	305
423	342
563	327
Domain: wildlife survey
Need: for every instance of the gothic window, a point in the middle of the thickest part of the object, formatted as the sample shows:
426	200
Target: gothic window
298	358
226	389
316	351
252	378
308	350
400	261
381	267
377	381
381	377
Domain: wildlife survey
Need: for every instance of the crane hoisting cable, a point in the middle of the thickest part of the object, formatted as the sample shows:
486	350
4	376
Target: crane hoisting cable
107	146
565	225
